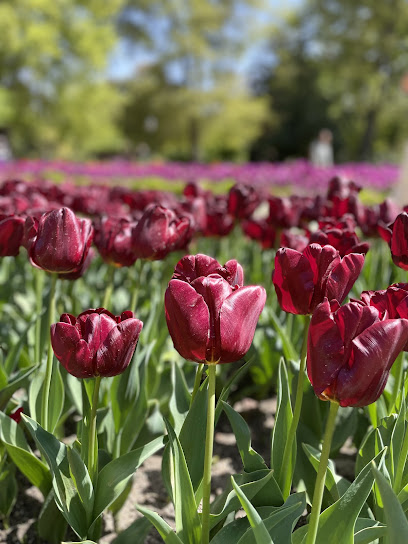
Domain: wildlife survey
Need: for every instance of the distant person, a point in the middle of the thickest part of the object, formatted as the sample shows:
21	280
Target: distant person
321	150
5	149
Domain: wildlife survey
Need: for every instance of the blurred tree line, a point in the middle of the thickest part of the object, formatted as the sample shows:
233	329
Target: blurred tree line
334	64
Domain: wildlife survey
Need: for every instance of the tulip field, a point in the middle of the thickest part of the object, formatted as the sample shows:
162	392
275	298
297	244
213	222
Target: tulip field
135	322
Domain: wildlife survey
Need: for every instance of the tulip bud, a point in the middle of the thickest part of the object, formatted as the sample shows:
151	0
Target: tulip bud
113	238
210	315
350	352
96	343
396	235
11	235
303	280
59	241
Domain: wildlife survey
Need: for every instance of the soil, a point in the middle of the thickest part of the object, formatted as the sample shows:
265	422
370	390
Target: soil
148	488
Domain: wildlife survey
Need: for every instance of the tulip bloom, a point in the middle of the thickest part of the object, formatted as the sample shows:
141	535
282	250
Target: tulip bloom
396	235
59	241
11	235
96	343
303	280
344	240
350	352
210	315
113	238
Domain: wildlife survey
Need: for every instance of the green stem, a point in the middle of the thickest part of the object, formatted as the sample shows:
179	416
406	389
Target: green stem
288	475
197	382
48	371
209	442
92	449
321	474
398	371
39	287
138	278
109	287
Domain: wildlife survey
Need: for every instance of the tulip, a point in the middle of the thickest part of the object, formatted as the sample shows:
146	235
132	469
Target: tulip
350	352
16	415
243	201
11	235
303	279
113	238
344	240
260	231
59	241
210	315
396	235
159	232
96	343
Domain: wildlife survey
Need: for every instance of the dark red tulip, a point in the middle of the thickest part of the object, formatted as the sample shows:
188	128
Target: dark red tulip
113	238
16	415
210	315
219	221
160	231
303	280
96	343
294	240
11	235
284	212
243	200
79	272
59	241
342	188
351	349
344	240
396	235
260	231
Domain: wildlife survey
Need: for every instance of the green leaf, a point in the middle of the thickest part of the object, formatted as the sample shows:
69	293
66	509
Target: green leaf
180	397
281	428
114	476
13	355
17	381
66	494
188	523
165	531
20	452
336	523
289	351
397	524
136	532
368	530
82	481
226	389
250	458
34	394
314	457
8	490
51	524
259	530
57	397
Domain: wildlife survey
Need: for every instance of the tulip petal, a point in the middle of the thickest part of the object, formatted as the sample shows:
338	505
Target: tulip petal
71	350
238	318
191	267
293	281
116	351
325	348
373	352
188	320
343	276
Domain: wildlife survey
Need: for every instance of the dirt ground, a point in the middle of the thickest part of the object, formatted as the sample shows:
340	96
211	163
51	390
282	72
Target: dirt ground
148	488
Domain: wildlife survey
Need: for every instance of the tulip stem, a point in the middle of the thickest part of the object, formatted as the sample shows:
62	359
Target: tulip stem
401	464
109	287
321	474
135	294
93	439
398	371
39	287
197	382
288	474
48	371
209	442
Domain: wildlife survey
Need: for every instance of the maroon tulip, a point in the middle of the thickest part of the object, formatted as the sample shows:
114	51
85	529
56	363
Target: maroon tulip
351	349
344	240
16	415
210	315
11	235
260	231
159	232
113	238
219	221
96	343
396	235
243	201
294	240
303	280
59	241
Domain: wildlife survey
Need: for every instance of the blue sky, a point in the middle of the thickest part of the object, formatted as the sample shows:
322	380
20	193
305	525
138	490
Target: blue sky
124	62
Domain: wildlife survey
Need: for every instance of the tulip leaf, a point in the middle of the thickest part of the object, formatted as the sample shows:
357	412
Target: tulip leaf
397	524
8	490
403	498
314	457
13	355
114	476
66	494
226	389
280	432
259	530
368	530
20	452
251	460
336	523
56	398
187	519
165	531
51	524
253	485
180	397
289	351
397	436
136	532
82	481
15	383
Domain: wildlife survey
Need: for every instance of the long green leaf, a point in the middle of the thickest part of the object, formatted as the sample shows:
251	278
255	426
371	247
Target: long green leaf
15	383
165	531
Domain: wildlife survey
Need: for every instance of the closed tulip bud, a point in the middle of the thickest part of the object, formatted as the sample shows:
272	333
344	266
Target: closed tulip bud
210	315
397	237
96	343
303	280
113	238
59	241
350	352
11	235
